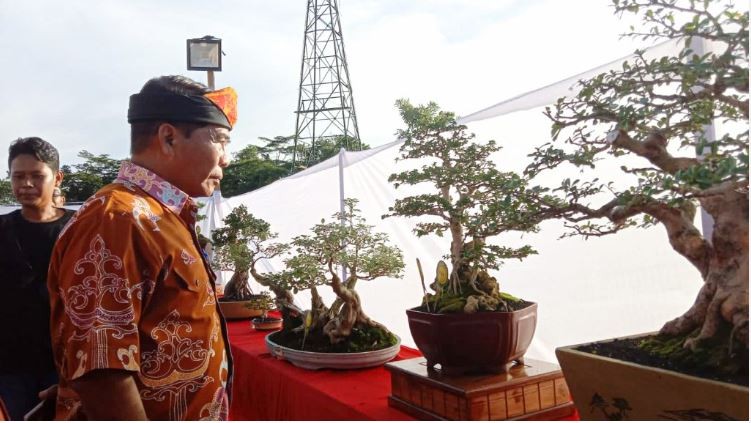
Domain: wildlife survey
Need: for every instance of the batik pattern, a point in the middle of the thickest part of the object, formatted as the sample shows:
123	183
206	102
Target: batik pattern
166	193
141	210
131	291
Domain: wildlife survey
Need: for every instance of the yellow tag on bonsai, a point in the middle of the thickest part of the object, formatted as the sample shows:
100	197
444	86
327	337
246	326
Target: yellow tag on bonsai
308	319
442	273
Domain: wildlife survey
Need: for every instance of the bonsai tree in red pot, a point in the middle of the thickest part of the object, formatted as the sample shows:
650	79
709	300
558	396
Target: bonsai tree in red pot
468	325
655	117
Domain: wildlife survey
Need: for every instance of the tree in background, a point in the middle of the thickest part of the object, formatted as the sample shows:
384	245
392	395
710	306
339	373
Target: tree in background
256	166
82	180
251	168
249	171
6	193
281	150
655	111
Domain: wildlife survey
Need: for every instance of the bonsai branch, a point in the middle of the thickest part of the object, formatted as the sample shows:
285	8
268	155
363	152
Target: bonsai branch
652	149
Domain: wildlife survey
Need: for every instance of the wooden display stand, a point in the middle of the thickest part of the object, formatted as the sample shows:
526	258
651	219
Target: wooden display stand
533	391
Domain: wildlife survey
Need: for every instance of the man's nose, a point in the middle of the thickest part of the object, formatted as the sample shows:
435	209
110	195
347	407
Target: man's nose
224	159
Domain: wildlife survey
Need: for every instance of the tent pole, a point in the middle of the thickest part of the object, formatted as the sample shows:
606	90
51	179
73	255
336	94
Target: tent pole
342	151
708	132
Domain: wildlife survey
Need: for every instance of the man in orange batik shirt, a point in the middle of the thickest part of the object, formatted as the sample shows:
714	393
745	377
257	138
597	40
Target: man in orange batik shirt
136	331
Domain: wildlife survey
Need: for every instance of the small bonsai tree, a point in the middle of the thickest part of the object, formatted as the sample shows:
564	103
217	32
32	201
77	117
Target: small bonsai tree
345	242
471	201
237	247
656	111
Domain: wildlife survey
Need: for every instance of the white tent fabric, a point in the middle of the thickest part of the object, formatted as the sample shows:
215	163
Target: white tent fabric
7	209
568	87
586	290
214	209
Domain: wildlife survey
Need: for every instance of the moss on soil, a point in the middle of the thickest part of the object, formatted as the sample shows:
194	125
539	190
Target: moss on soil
710	360
455	303
363	339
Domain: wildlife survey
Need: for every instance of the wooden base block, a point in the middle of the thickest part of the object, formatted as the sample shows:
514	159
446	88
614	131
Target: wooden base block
535	390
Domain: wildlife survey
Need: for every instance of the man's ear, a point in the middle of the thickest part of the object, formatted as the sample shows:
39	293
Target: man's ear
166	136
59	178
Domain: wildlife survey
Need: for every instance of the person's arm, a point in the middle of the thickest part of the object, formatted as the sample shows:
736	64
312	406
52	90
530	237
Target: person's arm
108	394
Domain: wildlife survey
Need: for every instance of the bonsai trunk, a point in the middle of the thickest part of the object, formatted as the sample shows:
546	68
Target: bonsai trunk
319	309
457	246
724	266
350	314
284	298
237	288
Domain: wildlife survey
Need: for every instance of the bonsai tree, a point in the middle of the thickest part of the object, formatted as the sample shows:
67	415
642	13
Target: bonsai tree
237	247
471	200
346	242
657	111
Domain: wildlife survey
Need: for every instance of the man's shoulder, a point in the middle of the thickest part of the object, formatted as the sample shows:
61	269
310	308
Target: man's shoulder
118	198
117	205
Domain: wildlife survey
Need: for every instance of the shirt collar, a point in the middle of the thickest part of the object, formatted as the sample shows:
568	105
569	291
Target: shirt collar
167	194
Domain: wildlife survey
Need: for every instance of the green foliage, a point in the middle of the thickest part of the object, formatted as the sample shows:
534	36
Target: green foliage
711	356
243	241
262	301
6	193
309	154
362	339
653	108
82	180
344	241
254	166
249	171
471	199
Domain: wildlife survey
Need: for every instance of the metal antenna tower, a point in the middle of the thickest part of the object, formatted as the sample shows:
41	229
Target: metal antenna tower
325	107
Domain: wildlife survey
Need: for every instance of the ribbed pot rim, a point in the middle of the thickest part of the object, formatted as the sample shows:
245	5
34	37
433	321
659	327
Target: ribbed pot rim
345	355
414	310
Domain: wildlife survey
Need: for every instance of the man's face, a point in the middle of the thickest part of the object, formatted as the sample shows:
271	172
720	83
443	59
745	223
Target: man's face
33	181
201	158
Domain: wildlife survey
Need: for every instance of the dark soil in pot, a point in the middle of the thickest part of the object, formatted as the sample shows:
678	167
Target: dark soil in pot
710	361
362	339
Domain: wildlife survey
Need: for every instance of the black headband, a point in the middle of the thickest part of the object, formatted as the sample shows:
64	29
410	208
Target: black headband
175	108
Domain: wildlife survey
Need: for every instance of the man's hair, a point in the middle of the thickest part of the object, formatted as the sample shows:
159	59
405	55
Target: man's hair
37	147
142	132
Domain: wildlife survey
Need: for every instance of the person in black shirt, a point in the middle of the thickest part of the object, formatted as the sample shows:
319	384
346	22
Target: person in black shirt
26	240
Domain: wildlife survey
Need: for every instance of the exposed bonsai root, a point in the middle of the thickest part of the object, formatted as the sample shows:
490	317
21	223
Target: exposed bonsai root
721	299
709	327
482	302
340	327
454	283
473	283
365	320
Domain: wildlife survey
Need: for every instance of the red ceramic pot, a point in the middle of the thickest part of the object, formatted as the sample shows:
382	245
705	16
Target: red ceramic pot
482	342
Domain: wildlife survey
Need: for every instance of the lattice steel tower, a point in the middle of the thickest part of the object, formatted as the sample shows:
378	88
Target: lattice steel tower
325	107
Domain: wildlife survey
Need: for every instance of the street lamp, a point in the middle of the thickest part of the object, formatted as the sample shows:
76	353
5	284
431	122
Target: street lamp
205	54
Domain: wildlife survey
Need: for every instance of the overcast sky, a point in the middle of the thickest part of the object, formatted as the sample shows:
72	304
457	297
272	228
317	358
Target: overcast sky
69	66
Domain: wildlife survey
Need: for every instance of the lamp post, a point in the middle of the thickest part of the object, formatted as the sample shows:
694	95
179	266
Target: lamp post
205	54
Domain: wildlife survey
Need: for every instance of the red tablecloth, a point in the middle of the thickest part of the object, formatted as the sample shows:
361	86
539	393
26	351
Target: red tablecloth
266	388
269	389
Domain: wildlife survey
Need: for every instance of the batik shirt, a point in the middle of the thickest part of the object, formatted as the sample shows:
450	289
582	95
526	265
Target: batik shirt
130	290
